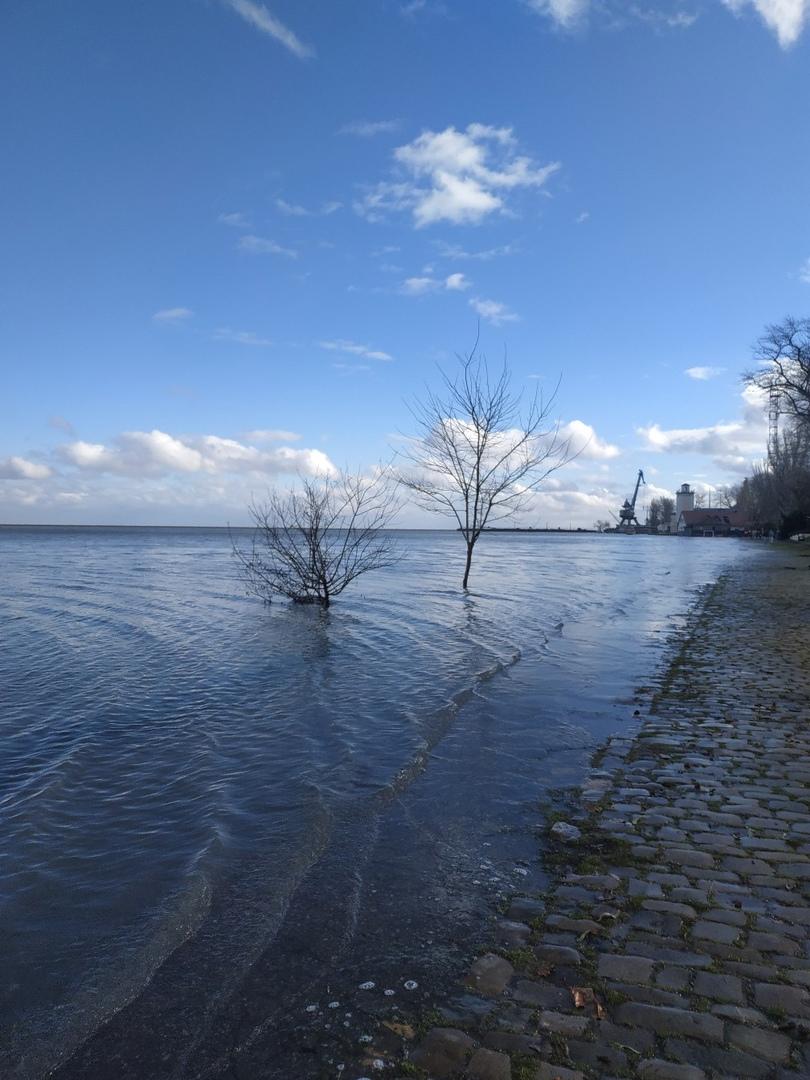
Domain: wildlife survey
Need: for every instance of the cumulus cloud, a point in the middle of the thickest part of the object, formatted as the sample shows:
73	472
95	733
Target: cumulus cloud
585	444
354	349
155	453
367	129
172	315
259	17
20	468
456	282
259	245
732	445
703	374
457	176
493	311
785	18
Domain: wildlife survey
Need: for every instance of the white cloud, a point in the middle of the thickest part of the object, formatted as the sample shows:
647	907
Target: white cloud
258	245
61	423
565	13
351	347
732	444
703	374
804	272
294	210
262	435
367	129
20	468
493	311
583	217
786	18
419	286
456	282
173	314
156	453
351	369
585	443
234	221
456	176
242	337
454	251
258	15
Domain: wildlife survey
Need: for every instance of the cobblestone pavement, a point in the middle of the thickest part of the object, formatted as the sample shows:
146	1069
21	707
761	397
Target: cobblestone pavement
674	943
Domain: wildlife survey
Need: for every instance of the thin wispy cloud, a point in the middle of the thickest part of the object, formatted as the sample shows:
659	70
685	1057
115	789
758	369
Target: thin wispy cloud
173	315
804	272
493	311
259	17
583	217
367	129
354	349
259	245
703	374
564	13
296	210
461	177
455	251
234	221
262	435
242	337
61	423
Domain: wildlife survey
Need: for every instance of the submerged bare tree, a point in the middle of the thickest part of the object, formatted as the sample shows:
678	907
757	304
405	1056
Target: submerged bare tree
477	457
309	544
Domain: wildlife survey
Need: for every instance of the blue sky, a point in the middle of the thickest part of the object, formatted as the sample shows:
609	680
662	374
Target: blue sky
238	237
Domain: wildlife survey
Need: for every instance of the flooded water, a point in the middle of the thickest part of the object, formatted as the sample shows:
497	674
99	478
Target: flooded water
216	813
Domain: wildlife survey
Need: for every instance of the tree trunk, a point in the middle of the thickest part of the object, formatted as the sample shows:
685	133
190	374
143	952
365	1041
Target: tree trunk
470	544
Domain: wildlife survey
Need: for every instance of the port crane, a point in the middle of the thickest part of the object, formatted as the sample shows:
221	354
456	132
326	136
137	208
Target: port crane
627	512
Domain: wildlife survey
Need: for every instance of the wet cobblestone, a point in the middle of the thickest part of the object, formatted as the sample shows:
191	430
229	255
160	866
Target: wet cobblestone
674	942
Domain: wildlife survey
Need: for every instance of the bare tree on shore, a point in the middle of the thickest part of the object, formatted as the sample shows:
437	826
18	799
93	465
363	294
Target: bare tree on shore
783	358
477	457
310	544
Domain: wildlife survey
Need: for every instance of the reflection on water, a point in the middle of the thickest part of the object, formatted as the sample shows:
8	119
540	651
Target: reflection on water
194	785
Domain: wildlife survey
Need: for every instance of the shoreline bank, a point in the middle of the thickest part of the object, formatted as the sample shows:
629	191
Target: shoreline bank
674	940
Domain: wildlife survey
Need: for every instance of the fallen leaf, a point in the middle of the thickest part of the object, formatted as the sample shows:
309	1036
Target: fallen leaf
405	1031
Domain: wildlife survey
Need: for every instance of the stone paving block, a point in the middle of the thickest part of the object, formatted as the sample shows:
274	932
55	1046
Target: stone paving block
719	987
443	1051
793	1000
631	969
770	1045
714	931
668	1021
490	974
658	1069
489	1065
563	1023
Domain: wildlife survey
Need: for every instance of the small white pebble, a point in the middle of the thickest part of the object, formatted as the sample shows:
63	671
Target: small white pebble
312	1008
367	986
522	871
410	984
334	1004
378	1063
389	993
365	1039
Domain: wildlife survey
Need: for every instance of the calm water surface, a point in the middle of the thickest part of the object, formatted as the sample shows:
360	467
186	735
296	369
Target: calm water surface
216	812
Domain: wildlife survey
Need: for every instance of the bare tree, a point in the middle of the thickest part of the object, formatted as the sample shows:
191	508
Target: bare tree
601	525
477	458
660	511
783	356
309	544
